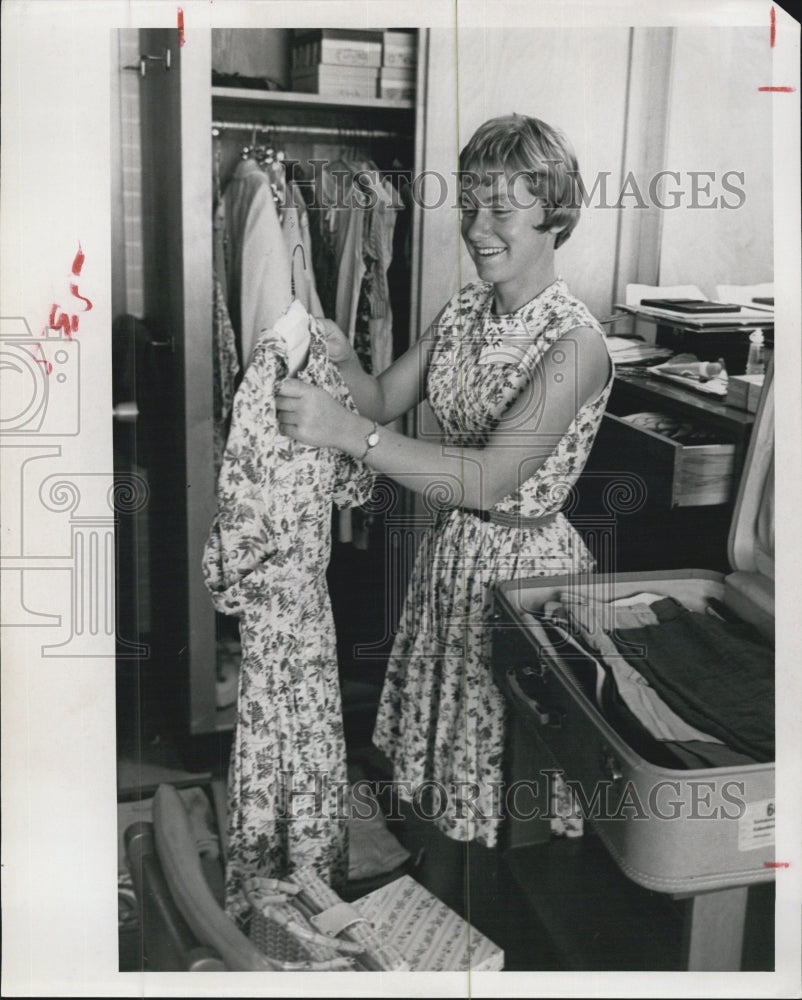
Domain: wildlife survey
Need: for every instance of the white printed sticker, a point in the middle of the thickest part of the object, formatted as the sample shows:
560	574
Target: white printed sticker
756	826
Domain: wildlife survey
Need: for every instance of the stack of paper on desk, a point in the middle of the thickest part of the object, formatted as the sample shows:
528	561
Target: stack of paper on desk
747	316
632	351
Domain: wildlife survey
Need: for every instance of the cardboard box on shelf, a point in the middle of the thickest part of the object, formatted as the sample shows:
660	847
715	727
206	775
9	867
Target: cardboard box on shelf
398	74
397	82
337	81
336	47
396	91
400	48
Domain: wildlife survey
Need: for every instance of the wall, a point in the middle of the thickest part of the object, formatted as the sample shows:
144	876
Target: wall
257	52
475	75
719	121
633	101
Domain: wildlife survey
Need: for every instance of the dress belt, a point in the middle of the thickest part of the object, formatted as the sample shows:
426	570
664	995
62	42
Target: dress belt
510	520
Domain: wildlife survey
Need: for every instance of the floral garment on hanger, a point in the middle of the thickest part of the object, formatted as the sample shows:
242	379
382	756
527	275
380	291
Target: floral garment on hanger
265	561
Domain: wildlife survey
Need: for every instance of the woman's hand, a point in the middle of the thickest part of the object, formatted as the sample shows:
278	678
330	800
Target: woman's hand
308	414
338	346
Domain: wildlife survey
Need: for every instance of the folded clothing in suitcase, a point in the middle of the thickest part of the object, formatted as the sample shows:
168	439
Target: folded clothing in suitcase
692	689
670	825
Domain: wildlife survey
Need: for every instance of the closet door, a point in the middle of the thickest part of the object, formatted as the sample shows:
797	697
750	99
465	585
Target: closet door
177	244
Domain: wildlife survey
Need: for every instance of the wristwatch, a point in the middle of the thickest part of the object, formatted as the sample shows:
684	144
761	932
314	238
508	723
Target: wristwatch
371	440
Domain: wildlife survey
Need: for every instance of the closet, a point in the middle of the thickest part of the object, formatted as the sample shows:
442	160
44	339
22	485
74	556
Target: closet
199	120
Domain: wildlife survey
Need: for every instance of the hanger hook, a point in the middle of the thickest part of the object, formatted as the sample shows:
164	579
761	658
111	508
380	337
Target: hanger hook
295	249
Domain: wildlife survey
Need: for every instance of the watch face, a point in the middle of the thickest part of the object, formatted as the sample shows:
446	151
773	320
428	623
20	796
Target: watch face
373	439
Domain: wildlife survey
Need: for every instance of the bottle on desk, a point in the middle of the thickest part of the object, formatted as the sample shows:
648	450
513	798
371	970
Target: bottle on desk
756	362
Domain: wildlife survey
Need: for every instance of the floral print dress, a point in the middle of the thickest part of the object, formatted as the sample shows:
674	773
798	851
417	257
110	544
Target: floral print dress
441	719
265	561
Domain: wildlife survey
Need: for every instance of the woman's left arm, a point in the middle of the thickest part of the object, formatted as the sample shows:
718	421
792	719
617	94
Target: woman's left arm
574	371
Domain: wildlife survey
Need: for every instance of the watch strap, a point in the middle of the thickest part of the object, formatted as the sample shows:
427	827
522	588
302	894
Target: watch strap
371	440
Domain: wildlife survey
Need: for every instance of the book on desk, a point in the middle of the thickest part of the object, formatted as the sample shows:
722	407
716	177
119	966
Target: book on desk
705	316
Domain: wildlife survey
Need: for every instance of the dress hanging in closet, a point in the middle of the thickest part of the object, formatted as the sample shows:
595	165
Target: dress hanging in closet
265	561
254	250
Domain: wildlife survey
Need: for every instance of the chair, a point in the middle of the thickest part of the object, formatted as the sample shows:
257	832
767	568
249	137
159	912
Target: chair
184	927
183	924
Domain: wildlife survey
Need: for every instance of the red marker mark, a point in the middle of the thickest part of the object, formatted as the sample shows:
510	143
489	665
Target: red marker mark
776	864
63	321
180	26
77	295
68	324
773	42
78	262
43	360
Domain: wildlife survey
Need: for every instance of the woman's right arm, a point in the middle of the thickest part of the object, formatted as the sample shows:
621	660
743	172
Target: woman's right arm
397	389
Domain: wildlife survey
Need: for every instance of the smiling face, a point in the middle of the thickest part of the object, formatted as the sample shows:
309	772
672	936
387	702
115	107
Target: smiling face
499	217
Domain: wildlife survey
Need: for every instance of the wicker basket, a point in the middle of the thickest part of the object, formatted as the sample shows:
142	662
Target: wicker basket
284	915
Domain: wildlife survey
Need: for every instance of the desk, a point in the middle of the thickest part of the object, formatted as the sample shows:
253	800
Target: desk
634	391
659	535
708	341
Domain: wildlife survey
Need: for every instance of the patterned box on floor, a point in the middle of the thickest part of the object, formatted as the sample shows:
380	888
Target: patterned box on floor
430	935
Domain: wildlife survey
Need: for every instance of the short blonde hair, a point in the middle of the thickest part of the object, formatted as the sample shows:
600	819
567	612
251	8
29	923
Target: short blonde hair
516	144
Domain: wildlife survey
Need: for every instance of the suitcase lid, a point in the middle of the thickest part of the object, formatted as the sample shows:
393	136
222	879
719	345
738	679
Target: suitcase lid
751	538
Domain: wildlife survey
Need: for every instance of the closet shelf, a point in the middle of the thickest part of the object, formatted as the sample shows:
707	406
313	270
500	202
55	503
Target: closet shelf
284	98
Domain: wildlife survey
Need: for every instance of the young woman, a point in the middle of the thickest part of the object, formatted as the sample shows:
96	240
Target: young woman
517	373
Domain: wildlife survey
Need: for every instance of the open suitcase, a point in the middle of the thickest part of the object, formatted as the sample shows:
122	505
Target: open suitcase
719	830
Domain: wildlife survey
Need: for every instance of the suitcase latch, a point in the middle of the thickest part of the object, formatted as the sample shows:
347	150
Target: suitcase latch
611	765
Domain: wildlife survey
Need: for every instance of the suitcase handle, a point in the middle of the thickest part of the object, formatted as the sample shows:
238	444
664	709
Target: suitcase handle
546	716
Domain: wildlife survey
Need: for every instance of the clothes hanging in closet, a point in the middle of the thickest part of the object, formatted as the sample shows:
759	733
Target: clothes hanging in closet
265	561
352	227
374	320
225	369
295	226
257	281
353	223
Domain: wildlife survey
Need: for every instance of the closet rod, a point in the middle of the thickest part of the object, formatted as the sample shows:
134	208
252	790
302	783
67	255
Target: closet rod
318	130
